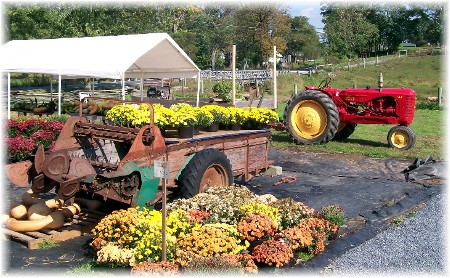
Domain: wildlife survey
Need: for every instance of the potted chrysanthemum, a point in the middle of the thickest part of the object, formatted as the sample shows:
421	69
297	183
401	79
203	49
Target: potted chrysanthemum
220	115
184	122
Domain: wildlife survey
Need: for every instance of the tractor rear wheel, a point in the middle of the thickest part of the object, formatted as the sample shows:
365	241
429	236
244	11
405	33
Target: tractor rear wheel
209	167
344	131
401	137
311	117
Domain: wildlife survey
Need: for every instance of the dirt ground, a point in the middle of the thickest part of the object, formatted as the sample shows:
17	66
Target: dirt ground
372	191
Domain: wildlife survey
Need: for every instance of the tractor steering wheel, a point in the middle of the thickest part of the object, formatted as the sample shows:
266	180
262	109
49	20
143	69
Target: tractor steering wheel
325	83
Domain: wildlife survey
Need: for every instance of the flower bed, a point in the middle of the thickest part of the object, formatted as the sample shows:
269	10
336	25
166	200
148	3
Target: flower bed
25	134
224	230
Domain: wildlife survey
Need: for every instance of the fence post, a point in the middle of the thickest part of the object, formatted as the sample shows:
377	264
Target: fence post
440	96
295	89
348	65
202	86
377	60
364	62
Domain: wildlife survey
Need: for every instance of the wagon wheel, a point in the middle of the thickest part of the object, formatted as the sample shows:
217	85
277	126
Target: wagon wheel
209	167
344	131
401	137
311	117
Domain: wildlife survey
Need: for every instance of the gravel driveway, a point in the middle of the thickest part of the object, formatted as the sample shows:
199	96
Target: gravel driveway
417	246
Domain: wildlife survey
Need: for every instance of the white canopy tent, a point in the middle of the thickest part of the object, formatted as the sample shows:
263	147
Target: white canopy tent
154	55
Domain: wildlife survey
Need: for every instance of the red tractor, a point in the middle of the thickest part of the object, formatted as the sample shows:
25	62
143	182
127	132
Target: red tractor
323	113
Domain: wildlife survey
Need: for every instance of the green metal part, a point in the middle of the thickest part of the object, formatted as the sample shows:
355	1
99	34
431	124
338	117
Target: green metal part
149	184
149	187
184	165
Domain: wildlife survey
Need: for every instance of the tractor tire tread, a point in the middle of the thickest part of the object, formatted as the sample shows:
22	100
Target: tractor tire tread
345	132
191	176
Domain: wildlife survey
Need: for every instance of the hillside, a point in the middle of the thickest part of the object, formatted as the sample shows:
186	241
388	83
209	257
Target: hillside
423	74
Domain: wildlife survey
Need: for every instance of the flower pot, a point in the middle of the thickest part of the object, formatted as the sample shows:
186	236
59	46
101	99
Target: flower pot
214	127
185	132
196	130
235	127
223	126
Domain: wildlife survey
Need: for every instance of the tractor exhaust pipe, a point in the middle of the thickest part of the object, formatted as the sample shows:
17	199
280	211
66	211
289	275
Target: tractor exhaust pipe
380	81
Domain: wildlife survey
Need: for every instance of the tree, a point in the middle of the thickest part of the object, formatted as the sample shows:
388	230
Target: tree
347	30
425	24
258	29
214	32
303	40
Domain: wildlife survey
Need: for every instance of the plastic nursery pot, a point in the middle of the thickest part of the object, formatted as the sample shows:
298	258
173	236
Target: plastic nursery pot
196	130
235	127
223	126
185	132
214	127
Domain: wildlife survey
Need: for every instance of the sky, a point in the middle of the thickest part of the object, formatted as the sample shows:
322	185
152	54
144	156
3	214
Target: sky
309	9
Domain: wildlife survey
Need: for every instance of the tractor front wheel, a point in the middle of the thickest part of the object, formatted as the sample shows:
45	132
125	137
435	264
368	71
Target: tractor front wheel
401	137
311	117
208	167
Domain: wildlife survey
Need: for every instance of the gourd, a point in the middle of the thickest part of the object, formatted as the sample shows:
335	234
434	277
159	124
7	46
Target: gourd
29	198
53	221
35	214
41	210
19	211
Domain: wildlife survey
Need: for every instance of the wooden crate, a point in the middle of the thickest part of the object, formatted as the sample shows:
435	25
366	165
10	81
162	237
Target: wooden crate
72	228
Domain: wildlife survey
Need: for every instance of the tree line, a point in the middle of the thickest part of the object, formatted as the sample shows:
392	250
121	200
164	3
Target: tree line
207	32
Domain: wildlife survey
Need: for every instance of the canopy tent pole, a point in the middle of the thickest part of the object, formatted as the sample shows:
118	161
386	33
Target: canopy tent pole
275	102
198	88
9	96
141	87
233	77
123	85
51	88
59	95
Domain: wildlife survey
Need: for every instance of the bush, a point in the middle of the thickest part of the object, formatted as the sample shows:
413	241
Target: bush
155	269
429	106
334	214
210	228
223	90
272	252
214	265
25	134
291	212
320	229
212	240
257	226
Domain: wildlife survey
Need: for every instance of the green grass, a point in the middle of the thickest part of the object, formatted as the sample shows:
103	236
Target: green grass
47	243
87	268
371	140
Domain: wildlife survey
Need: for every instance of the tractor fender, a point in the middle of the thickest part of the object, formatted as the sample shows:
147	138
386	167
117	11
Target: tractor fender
184	165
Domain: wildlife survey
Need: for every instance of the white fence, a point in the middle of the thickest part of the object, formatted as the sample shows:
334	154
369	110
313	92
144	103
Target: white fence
247	74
